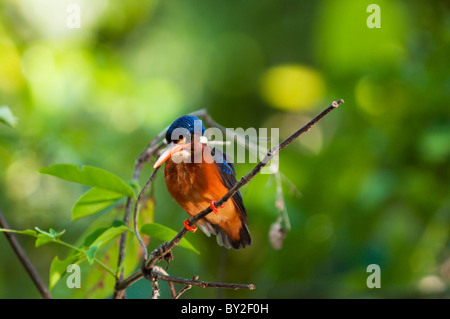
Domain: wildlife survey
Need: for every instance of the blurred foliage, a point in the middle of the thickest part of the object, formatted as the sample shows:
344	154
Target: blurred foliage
373	175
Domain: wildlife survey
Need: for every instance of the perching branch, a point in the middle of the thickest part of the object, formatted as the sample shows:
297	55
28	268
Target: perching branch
38	282
166	247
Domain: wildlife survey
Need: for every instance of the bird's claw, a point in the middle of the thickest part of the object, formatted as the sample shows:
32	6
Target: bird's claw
186	224
214	208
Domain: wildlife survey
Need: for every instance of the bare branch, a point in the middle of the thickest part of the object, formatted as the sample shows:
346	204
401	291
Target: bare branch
155	289
228	133
136	206
38	282
172	288
184	289
202	284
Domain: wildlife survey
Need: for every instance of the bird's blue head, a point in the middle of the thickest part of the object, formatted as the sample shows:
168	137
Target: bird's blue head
180	135
186	122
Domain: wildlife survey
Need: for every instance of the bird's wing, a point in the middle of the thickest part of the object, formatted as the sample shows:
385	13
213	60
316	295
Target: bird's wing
227	173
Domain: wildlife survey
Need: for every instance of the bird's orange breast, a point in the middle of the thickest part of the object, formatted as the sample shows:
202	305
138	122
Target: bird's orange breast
194	186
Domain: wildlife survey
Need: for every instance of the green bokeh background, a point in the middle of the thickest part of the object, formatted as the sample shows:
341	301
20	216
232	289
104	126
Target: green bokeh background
373	175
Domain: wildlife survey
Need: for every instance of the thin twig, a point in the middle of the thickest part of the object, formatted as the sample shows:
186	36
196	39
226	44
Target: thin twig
166	247
184	289
38	282
136	210
293	189
164	272
229	133
148	152
123	237
155	289
202	284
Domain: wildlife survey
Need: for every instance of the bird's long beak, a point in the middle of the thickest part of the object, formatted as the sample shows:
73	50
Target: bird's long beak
171	149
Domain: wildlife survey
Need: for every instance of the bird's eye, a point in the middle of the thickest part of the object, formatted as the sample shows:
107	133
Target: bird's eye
181	139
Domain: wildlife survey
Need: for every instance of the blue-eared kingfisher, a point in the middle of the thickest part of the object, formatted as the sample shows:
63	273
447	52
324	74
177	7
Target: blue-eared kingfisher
197	175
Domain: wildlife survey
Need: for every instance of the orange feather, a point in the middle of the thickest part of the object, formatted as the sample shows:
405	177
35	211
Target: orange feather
194	186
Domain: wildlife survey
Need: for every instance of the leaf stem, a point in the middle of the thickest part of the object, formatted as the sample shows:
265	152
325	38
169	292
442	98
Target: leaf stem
112	272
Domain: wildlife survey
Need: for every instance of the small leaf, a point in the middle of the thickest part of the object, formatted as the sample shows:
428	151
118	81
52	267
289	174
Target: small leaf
51	233
90	253
95	284
101	236
55	234
91	176
93	201
59	267
47	237
109	234
164	233
42	240
42	231
6	116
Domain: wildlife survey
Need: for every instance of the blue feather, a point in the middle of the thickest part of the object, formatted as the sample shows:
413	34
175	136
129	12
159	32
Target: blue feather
186	122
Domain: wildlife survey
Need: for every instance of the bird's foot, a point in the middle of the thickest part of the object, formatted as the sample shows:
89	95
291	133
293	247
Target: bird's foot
186	224
214	208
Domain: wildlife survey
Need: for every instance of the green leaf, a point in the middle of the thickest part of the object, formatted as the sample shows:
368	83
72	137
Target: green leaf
91	176
93	201
95	284
6	116
47	237
164	233
90	253
51	233
92	243
28	232
42	240
109	234
59	267
101	236
55	234
92	236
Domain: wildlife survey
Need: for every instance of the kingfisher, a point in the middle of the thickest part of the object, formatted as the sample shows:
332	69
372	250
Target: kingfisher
197	176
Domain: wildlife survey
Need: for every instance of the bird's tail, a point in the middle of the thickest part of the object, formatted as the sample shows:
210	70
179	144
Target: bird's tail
226	236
